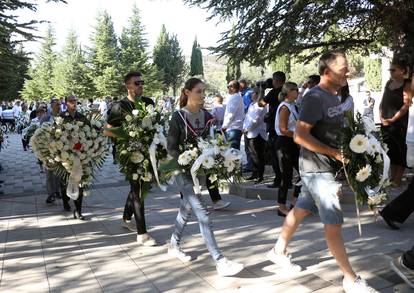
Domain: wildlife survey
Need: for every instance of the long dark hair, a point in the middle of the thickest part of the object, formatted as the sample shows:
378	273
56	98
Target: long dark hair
189	85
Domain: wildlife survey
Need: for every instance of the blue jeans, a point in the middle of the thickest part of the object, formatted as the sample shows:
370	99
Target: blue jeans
320	194
233	137
191	201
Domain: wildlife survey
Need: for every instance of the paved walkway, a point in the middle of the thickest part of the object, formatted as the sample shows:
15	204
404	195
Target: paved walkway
43	249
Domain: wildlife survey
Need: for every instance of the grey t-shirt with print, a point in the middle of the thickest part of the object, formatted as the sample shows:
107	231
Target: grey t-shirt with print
322	110
196	120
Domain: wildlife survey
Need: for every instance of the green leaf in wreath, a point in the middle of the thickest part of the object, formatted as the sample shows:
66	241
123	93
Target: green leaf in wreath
119	132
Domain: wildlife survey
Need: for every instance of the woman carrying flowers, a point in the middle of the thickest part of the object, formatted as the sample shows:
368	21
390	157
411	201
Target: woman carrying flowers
186	125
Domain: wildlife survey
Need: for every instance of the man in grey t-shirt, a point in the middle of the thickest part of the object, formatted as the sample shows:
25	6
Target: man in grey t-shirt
318	133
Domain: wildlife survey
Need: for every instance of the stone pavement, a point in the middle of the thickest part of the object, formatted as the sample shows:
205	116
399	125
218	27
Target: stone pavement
43	249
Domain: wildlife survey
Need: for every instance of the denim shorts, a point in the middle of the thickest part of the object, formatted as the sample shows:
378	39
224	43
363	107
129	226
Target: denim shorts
320	193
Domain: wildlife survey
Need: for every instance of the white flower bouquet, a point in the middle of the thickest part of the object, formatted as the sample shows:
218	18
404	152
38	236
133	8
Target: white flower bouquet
212	158
142	144
366	161
72	150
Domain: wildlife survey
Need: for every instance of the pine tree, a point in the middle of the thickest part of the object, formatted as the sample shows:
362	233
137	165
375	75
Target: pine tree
133	53
13	67
169	60
71	75
196	63
38	86
233	71
104	58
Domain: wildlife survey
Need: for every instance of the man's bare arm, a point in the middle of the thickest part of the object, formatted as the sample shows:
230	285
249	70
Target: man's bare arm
303	137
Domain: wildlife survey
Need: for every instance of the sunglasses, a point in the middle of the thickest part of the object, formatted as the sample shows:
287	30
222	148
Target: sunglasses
392	69
139	82
229	86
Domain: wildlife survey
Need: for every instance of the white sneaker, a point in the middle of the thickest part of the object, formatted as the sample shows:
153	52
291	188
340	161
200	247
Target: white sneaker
227	268
127	224
220	204
175	251
357	286
283	261
146	240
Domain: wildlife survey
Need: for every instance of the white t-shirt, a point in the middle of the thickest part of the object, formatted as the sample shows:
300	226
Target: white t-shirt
410	137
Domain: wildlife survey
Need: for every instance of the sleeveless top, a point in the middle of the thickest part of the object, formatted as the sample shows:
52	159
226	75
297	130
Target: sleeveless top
293	117
391	103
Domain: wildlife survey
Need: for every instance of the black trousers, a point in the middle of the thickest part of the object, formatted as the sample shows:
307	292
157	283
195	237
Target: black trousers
402	206
25	143
135	206
257	148
213	191
66	198
288	154
274	159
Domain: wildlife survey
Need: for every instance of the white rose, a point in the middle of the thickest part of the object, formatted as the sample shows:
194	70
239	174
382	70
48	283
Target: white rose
135	112
128	118
124	152
135	176
359	144
132	134
147	122
136	157
58	132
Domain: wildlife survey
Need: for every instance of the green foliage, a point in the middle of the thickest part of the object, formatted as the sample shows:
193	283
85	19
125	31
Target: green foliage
71	74
38	86
266	29
13	67
169	61
372	70
282	63
196	64
133	53
10	24
104	57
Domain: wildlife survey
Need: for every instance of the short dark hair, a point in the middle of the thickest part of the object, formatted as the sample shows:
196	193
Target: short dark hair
327	59
400	62
70	96
131	75
279	76
243	81
314	78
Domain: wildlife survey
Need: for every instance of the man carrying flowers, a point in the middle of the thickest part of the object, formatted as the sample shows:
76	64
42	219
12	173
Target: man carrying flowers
71	115
117	115
318	133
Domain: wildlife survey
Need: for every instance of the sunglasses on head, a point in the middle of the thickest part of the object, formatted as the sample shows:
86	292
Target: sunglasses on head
139	82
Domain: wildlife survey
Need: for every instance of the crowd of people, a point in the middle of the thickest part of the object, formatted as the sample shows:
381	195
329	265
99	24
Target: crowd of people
292	127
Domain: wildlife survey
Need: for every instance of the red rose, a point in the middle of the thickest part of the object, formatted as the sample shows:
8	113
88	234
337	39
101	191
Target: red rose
77	146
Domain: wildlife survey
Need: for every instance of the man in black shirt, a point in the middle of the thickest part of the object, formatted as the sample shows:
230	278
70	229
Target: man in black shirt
69	116
134	205
272	98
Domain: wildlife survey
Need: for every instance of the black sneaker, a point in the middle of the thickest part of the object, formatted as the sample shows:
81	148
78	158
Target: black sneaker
51	198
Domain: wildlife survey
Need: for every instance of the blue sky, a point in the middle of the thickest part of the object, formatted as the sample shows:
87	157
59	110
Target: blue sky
81	14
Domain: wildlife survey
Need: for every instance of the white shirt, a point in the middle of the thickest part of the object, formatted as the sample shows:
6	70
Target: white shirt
293	117
254	123
16	111
103	108
234	114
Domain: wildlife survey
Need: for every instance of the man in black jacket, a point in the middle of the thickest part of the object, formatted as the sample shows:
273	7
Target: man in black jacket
272	98
134	205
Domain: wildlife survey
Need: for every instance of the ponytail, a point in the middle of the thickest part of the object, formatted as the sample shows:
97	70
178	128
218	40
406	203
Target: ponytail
183	99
